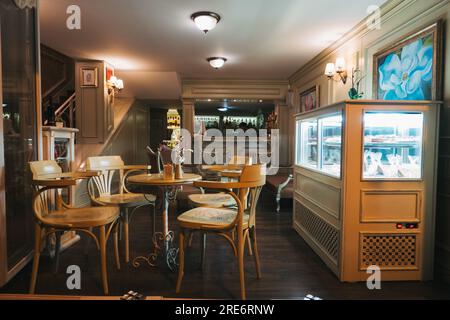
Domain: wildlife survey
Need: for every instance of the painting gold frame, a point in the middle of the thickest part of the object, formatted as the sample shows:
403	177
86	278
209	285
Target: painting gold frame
87	82
434	29
316	90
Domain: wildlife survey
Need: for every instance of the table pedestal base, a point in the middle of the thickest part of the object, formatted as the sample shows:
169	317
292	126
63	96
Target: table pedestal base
163	241
162	245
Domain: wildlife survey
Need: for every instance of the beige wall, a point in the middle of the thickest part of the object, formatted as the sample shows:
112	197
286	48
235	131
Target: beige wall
399	18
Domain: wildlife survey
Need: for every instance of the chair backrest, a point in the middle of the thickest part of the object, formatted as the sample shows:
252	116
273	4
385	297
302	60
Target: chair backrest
241	160
43	168
46	199
254	177
109	165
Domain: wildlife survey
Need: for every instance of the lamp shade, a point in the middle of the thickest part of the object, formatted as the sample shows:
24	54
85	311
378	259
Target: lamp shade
217	62
205	21
330	70
119	84
340	65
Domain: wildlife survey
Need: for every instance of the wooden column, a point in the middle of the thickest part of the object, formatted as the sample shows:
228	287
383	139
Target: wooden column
188	118
284	119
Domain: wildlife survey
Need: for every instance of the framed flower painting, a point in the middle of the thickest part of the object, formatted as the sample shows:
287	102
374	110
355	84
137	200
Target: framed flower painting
411	69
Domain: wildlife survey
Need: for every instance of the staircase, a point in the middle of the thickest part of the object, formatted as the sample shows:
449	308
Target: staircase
66	112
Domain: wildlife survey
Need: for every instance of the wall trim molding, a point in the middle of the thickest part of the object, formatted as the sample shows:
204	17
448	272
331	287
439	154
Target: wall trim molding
229	88
388	11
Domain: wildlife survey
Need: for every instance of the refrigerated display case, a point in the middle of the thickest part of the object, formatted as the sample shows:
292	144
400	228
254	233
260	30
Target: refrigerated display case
320	144
365	181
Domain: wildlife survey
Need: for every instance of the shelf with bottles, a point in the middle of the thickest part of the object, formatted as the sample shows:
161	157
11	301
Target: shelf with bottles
241	122
203	123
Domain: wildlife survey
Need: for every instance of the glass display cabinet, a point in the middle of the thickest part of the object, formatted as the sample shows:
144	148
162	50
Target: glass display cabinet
365	187
320	144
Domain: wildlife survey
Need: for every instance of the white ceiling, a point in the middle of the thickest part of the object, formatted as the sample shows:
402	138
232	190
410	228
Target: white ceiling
152	43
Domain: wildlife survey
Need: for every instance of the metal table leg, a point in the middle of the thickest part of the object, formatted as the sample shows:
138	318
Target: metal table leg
163	241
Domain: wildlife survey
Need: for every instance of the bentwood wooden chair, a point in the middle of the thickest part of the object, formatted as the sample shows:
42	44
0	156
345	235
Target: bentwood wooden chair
223	221
101	192
53	216
218	200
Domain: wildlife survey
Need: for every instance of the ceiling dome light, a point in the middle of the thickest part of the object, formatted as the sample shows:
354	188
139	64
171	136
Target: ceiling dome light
217	62
205	21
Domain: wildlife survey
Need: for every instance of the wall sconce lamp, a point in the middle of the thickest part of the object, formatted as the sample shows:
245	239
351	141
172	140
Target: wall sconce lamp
338	68
115	85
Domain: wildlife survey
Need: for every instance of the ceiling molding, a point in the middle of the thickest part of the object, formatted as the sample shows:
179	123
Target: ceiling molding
237	89
388	10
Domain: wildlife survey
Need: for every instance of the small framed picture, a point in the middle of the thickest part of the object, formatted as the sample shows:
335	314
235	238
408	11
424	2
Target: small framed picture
89	77
309	99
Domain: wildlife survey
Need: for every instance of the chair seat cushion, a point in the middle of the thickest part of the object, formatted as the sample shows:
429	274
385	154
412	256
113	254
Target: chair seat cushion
127	199
82	217
212	200
209	217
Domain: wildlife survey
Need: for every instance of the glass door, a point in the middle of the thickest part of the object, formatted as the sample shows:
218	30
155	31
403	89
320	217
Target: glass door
19	130
393	145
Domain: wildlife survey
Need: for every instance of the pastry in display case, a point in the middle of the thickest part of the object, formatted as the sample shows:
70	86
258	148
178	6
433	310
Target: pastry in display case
307	152
365	181
320	144
393	145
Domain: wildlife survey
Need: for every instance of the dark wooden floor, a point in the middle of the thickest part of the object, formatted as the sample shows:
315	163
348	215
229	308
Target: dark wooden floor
290	269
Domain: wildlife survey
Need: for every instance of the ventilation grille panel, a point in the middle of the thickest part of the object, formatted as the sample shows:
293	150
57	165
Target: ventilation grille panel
388	251
321	231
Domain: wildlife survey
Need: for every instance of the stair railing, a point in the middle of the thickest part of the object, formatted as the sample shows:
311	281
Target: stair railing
68	108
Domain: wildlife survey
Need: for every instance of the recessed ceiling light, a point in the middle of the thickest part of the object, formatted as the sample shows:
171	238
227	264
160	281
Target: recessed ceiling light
205	20
216	62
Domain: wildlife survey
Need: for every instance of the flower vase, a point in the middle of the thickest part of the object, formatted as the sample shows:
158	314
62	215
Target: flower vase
178	171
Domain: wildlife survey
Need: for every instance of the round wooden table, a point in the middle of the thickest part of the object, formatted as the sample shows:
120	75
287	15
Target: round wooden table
170	188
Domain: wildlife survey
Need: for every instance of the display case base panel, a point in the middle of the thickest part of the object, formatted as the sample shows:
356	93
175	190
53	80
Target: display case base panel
319	234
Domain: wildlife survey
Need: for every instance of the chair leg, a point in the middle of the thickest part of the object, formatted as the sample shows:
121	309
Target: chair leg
57	250
203	246
37	254
278	199
255	253
103	259
116	246
126	233
181	260
249	245
241	246
86	245
191	238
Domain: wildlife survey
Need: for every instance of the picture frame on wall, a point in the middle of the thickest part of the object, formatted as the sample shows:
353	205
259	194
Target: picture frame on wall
309	99
412	68
89	77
